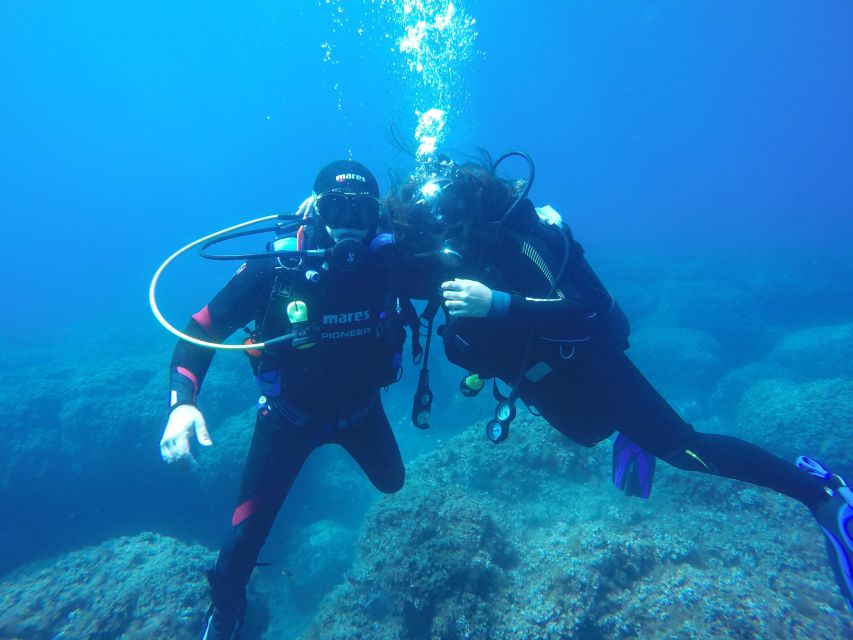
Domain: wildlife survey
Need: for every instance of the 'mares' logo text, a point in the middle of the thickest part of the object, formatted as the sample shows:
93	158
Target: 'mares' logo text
345	318
343	177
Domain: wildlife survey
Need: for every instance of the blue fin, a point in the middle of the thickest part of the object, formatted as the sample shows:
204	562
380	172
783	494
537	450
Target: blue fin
633	467
835	517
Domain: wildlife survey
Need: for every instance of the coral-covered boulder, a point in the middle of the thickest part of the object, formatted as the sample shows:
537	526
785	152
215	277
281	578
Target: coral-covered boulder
429	561
82	421
508	542
796	418
725	399
134	588
70	410
817	352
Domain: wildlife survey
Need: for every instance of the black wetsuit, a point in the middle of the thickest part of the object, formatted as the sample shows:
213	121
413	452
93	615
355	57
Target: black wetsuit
577	374
310	396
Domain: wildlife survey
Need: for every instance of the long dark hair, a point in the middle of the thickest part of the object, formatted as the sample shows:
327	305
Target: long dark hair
479	194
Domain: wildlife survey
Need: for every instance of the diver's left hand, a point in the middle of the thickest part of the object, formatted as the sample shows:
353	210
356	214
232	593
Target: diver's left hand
466	298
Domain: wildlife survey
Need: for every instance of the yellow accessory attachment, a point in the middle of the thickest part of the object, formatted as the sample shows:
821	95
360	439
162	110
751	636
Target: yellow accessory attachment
471	385
297	312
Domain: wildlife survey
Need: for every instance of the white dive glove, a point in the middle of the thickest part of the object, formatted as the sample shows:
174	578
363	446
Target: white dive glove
466	298
184	421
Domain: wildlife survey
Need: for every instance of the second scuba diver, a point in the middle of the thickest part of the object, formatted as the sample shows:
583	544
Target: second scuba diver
332	288
525	307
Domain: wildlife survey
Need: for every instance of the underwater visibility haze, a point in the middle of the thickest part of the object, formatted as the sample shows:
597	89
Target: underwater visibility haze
702	154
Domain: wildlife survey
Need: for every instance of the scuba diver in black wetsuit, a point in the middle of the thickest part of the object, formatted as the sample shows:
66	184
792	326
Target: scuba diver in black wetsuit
525	307
320	387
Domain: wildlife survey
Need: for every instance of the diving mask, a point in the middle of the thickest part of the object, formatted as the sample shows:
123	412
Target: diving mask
347	210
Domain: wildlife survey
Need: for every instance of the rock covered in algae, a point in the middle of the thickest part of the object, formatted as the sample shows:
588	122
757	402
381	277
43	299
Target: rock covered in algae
144	586
529	540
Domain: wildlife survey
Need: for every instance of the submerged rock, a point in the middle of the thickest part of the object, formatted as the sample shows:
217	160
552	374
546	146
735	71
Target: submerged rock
795	418
726	397
134	588
529	540
818	352
82	423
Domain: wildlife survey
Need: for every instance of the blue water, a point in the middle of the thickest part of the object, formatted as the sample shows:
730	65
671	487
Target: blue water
665	129
128	129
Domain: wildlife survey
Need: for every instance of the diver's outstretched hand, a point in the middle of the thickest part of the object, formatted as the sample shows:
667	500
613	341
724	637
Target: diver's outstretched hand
185	420
466	298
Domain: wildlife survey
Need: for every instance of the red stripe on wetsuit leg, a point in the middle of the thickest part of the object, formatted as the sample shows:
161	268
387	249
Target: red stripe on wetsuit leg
243	511
191	377
203	319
